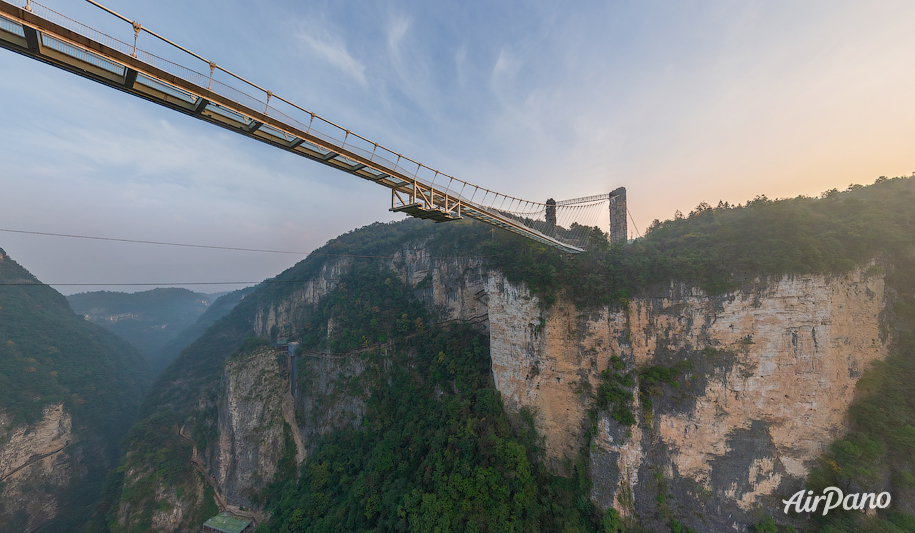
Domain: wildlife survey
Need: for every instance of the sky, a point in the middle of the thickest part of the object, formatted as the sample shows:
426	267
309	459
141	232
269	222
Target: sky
679	102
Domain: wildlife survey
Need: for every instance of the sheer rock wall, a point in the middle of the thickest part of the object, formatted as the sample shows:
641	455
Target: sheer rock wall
35	469
773	368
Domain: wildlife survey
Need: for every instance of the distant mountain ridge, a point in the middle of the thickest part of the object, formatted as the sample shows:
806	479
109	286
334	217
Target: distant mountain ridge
153	321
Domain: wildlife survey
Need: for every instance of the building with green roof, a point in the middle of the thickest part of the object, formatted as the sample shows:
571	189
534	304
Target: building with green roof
226	523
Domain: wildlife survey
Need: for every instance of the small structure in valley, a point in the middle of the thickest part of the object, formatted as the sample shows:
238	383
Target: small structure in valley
226	523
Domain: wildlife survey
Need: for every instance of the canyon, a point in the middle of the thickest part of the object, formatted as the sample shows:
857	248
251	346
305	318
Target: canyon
771	372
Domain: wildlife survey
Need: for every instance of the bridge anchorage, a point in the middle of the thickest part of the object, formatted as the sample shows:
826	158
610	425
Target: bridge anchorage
45	35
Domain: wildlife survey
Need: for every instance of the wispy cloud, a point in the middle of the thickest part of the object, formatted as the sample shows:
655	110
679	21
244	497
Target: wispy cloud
678	103
324	42
505	64
397	28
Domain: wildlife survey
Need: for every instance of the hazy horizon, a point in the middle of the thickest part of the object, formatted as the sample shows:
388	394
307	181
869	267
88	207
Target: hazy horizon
680	104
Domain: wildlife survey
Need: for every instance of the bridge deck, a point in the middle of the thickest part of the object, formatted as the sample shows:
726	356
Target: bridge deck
49	37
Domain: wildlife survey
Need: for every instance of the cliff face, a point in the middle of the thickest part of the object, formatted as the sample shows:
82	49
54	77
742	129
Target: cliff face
252	412
254	399
454	289
167	509
284	314
68	390
35	469
773	371
327	401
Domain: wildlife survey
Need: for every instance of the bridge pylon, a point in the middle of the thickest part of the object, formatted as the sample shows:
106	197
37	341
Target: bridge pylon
618	215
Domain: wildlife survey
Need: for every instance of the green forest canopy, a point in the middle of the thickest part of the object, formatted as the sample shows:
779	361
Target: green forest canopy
716	248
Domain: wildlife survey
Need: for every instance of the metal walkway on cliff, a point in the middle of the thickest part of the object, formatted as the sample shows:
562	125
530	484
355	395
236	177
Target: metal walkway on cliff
43	34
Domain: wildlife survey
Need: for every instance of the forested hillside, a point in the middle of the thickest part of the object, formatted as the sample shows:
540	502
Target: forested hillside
53	363
435	450
219	308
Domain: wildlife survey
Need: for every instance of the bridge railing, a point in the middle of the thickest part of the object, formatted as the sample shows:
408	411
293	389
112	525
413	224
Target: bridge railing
486	201
313	123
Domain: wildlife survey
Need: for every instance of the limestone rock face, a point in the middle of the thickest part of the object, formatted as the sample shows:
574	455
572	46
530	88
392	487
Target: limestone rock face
323	404
35	469
285	314
255	403
453	288
773	369
171	512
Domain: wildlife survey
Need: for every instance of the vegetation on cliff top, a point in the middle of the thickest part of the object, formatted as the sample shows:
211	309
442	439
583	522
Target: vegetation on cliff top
716	248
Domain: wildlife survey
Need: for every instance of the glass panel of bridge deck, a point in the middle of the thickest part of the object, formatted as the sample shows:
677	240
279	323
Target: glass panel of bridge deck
8	25
347	160
273	132
315	148
170	90
226	112
82	55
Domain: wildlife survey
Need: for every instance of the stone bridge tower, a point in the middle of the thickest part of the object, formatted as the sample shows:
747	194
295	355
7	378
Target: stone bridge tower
551	217
618	213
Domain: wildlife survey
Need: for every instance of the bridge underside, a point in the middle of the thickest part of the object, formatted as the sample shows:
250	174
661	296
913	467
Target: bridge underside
111	63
